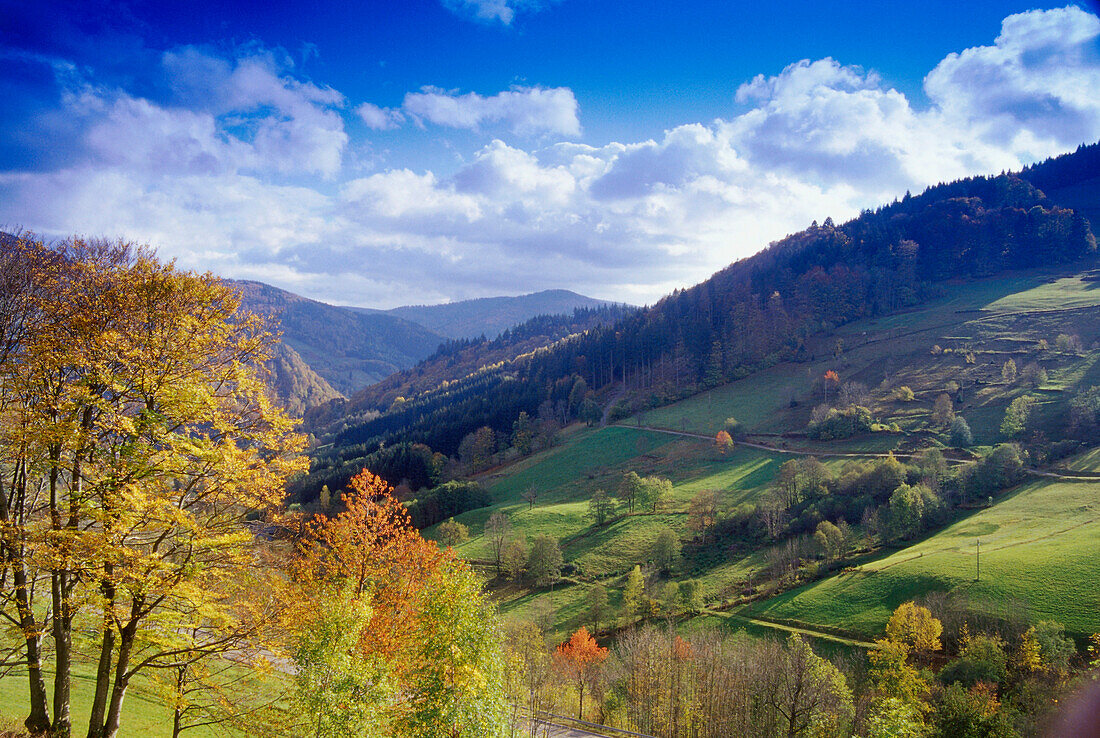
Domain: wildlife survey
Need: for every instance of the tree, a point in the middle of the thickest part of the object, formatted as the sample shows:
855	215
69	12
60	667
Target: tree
476	449
723	441
973	712
633	593
914	626
702	515
1055	648
497	528
830	538
530	496
788	483
811	691
906	510
892	718
337	689
1017	415
691	594
1008	371
982	659
138	405
904	394
589	412
961	437
514	556
666	549
579	660
654	492
430	626
942	410
452	533
598	605
629	489
523	433
600	507
544	561
892	677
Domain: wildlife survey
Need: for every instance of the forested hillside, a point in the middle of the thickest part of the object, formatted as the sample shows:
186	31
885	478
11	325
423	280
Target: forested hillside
489	316
758	311
349	348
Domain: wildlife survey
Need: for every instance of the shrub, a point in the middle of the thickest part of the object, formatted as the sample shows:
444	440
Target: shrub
961	437
841	423
447	500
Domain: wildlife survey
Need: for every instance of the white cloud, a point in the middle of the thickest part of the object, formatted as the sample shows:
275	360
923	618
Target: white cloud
625	220
524	110
380	119
290	126
492	11
1035	92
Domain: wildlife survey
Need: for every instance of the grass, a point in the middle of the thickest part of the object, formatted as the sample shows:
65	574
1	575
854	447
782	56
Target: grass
144	711
1037	548
1035	540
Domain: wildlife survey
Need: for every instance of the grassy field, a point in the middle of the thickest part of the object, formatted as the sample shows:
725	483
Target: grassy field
1038	548
1036	540
144	713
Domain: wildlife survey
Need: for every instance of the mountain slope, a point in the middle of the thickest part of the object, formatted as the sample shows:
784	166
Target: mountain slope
296	385
489	316
763	309
348	348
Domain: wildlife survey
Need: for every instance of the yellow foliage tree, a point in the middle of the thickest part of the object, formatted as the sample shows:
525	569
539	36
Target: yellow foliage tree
914	626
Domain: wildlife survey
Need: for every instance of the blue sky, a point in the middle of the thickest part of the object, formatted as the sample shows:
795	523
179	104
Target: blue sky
386	153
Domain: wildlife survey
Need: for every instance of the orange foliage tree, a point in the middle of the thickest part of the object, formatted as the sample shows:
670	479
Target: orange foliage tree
724	441
428	623
830	378
579	659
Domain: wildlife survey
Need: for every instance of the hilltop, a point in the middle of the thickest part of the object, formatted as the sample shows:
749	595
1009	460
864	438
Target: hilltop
490	316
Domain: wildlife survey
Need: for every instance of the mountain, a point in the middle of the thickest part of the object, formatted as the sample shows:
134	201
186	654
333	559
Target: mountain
296	385
489	316
348	348
1071	181
764	309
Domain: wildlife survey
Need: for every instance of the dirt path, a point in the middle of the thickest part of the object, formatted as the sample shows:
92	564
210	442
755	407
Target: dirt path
801	630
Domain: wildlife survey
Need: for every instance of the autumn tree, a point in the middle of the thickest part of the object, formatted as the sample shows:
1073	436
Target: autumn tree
830	538
453	533
723	441
914	626
523	433
579	661
811	691
830	379
153	436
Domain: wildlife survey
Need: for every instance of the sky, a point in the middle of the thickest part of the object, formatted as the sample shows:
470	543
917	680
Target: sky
384	153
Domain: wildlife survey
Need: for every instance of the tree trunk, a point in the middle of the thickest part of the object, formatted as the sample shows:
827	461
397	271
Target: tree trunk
103	669
63	642
122	671
38	721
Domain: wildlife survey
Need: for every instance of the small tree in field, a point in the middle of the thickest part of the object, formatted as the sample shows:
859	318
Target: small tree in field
830	379
544	562
453	533
961	437
723	441
943	410
600	507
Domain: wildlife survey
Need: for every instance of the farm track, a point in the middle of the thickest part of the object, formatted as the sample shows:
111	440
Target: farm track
1064	476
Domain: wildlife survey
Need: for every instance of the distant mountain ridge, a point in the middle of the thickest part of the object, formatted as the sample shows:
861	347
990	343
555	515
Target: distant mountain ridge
491	316
329	352
349	348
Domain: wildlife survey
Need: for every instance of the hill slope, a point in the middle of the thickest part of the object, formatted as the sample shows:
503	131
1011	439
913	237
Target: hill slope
489	316
348	348
764	309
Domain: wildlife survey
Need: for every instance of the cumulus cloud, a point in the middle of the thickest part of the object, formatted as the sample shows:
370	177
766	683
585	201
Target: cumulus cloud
524	110
1035	91
380	119
624	220
492	11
